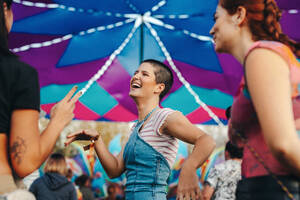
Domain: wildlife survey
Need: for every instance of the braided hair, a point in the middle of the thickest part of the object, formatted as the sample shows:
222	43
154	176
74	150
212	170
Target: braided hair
263	19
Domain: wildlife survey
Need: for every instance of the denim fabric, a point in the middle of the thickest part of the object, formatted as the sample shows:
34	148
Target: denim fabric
147	170
145	195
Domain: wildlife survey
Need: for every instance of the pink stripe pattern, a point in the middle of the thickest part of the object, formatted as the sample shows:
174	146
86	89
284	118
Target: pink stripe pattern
164	144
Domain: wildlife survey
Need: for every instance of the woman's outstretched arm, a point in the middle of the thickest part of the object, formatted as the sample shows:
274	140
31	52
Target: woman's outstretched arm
27	147
113	165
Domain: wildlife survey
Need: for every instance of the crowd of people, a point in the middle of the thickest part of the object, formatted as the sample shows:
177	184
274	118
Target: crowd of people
265	118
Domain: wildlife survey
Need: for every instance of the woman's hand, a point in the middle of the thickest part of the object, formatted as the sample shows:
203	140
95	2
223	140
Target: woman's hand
188	187
82	135
62	112
28	148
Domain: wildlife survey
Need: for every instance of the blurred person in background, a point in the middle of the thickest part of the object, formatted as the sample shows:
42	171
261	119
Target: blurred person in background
223	178
54	185
84	183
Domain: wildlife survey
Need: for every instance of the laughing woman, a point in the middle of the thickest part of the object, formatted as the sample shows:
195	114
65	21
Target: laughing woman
152	146
266	113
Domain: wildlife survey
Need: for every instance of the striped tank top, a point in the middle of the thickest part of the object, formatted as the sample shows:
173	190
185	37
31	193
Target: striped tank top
164	144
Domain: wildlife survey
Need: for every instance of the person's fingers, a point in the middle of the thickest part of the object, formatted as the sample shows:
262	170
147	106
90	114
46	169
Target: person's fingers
70	94
75	134
193	195
76	97
73	115
179	196
198	193
69	141
72	107
54	107
187	195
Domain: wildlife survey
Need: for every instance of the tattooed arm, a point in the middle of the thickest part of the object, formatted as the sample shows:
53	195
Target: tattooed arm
27	147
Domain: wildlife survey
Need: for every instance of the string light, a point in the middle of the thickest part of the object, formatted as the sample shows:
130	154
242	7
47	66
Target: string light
139	19
108	63
159	5
180	77
293	11
133	8
69	36
68	8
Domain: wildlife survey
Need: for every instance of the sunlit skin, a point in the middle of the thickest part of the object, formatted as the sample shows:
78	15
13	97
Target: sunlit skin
231	33
143	84
9	17
144	90
297	122
222	31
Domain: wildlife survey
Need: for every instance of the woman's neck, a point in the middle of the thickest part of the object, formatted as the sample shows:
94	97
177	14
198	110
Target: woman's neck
145	107
242	46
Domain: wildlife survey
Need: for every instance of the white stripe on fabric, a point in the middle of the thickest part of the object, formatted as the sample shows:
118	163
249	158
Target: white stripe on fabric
164	144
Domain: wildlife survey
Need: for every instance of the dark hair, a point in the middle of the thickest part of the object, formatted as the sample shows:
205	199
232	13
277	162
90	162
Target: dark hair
81	180
228	112
3	30
69	173
233	150
163	74
263	18
111	189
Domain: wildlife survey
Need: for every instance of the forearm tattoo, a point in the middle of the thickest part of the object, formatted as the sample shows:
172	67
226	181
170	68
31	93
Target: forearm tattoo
17	149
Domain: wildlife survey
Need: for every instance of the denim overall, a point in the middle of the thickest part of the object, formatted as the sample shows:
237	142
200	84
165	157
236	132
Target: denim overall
147	170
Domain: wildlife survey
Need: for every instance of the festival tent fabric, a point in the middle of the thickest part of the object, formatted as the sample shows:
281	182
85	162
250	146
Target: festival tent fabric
98	46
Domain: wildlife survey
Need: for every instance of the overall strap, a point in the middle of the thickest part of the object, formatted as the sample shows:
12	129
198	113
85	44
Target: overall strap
147	116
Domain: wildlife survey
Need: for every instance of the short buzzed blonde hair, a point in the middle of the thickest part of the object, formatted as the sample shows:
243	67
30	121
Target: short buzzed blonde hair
56	163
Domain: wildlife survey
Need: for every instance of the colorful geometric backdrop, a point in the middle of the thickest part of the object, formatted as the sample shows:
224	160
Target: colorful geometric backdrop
68	41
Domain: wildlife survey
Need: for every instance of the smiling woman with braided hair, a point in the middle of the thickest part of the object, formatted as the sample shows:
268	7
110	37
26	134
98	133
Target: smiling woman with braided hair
265	115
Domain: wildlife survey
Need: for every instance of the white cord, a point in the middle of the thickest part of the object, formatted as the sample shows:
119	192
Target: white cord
180	77
69	36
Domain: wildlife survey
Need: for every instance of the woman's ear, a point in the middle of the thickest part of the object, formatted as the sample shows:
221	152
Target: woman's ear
160	88
240	16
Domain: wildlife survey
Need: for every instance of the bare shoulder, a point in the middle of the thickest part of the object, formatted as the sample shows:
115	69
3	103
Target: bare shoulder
263	59
175	117
178	126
